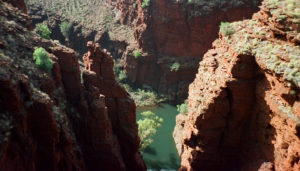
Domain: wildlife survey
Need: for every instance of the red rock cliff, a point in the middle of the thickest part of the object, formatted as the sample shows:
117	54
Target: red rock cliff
19	4
99	77
50	121
170	31
243	106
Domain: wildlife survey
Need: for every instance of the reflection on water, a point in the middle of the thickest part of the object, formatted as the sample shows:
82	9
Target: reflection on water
161	154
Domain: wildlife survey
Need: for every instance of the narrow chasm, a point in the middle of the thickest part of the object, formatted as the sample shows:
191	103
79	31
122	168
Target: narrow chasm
136	85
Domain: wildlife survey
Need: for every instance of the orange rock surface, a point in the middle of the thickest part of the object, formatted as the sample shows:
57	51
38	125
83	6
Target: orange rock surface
243	110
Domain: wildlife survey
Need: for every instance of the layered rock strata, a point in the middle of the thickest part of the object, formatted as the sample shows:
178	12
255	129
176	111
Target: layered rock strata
243	106
49	120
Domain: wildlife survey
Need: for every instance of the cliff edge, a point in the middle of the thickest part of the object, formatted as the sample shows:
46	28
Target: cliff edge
57	120
244	105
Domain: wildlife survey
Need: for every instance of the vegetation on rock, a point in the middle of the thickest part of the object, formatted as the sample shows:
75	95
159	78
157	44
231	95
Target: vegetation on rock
120	73
183	108
43	31
90	15
140	96
122	76
42	59
284	8
137	53
146	97
272	53
65	28
175	66
145	3
225	29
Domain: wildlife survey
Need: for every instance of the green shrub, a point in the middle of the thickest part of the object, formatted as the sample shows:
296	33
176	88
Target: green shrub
65	29
175	66
127	87
147	128
183	108
137	54
116	67
145	3
43	31
42	59
146	97
226	29
122	76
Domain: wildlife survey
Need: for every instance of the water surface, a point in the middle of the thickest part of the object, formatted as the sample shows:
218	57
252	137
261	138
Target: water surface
162	154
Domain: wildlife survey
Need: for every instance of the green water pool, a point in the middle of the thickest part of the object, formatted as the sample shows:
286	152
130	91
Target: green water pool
162	154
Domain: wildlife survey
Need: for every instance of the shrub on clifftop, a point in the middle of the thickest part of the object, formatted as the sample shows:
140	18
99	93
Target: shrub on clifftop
183	108
42	59
145	3
43	31
137	53
175	66
65	28
225	29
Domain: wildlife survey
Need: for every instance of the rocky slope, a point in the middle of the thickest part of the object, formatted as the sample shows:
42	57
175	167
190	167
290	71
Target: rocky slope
243	106
89	20
165	31
50	121
172	31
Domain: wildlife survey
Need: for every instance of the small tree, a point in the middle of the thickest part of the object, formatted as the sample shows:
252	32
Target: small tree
122	76
175	66
145	3
148	127
226	29
65	29
183	108
42	59
43	31
137	53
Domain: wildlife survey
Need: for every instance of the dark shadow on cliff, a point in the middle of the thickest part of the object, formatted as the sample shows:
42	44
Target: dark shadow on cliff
257	148
115	47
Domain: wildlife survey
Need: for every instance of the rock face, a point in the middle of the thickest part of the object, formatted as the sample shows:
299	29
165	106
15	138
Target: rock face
50	121
173	31
103	25
127	10
19	4
78	34
194	26
243	106
99	76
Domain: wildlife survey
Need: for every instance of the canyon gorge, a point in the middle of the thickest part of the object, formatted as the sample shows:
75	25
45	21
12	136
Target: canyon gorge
240	82
165	32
